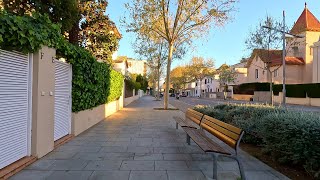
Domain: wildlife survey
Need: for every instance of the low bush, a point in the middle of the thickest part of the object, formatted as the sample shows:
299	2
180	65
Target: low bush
293	138
290	137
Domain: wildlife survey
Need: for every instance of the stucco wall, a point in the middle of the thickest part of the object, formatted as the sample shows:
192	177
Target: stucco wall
316	63
298	101
257	63
311	38
262	96
43	102
83	120
242	97
293	74
129	100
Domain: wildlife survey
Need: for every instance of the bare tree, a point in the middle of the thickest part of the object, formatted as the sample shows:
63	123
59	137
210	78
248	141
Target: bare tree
177	22
155	51
264	41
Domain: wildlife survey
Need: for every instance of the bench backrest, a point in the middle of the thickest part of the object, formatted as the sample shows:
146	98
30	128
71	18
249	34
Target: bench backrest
225	132
194	116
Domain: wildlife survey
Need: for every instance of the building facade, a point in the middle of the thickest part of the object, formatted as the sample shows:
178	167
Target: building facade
301	58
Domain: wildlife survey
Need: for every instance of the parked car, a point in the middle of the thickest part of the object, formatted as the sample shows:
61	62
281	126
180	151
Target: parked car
183	94
172	95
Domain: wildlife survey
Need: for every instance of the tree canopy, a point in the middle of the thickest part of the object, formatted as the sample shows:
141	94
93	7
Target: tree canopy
59	11
177	22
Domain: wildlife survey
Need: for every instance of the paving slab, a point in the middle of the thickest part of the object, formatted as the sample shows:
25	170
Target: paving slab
148	175
186	175
110	175
104	165
137	165
70	175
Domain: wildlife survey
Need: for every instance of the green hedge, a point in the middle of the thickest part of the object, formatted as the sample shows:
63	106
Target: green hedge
299	90
249	88
92	84
116	86
290	137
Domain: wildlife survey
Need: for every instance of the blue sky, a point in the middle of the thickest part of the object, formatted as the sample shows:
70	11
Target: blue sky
224	44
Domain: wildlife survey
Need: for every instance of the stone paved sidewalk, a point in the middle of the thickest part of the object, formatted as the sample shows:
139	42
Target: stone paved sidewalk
139	143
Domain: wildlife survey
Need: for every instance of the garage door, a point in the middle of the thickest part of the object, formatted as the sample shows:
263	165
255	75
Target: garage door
15	107
62	104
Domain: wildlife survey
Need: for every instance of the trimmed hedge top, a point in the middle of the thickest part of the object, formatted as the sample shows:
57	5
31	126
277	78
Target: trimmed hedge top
249	88
293	90
299	90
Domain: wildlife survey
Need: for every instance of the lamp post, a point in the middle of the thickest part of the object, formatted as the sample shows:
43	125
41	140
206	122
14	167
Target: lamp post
284	36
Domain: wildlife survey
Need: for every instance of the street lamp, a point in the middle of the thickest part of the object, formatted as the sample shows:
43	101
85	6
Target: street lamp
284	36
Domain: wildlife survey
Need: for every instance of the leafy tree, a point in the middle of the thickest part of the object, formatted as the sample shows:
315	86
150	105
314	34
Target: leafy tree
59	11
143	81
177	23
97	30
200	68
179	77
155	51
226	75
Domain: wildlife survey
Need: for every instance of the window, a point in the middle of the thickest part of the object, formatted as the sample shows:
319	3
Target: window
205	81
196	91
196	84
202	90
210	90
257	74
295	51
211	80
275	73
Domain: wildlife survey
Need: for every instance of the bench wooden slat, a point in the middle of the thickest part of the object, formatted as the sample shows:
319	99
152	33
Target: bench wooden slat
232	143
223	124
225	132
205	143
184	123
220	129
194	116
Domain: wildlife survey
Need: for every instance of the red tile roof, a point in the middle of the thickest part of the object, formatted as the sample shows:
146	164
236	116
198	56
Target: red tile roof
275	56
289	61
306	22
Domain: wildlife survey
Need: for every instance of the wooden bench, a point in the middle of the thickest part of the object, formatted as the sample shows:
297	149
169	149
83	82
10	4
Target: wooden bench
192	119
227	133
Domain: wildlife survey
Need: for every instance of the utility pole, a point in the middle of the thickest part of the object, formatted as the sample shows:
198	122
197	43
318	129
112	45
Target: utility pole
284	36
284	60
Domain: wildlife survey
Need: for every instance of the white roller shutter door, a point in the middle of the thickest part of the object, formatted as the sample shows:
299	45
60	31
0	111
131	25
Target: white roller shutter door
15	107
62	104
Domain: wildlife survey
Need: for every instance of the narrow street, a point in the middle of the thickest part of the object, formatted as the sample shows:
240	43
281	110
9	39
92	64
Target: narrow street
185	102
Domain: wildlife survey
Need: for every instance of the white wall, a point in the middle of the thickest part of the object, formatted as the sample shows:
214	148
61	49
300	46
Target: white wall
208	84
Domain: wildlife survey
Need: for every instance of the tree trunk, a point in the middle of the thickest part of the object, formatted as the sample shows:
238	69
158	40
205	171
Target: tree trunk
158	74
200	87
74	34
271	90
166	93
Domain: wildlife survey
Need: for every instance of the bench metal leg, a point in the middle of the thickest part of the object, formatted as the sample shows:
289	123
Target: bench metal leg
243	177
176	125
215	166
188	139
